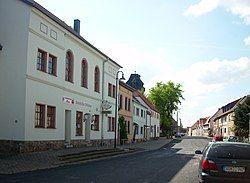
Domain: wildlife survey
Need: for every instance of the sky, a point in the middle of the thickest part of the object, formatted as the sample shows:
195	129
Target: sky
202	44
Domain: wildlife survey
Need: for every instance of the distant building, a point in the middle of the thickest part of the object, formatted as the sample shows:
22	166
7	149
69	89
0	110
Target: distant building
140	112
153	116
197	128
224	122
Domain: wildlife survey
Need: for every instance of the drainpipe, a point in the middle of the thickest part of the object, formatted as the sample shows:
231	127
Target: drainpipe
150	124
102	124
146	131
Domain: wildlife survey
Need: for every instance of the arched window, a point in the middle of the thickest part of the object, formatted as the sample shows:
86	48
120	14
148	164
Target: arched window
97	79
69	64
84	73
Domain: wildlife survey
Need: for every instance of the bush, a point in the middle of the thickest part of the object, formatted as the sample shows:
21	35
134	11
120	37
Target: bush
123	132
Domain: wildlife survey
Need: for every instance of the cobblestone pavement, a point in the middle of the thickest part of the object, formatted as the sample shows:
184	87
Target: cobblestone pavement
49	159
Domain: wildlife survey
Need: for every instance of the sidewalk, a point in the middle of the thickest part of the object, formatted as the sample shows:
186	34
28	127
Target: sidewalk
49	159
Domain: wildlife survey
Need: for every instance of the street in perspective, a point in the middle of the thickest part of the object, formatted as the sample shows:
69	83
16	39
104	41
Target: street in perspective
173	162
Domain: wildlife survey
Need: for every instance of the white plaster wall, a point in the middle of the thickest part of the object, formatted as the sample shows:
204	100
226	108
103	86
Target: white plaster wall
50	89
141	121
151	121
22	85
155	121
109	77
13	37
65	41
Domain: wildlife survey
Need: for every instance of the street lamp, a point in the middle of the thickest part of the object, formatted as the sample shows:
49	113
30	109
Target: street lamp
249	128
116	100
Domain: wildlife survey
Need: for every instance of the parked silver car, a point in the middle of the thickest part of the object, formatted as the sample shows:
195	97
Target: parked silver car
225	162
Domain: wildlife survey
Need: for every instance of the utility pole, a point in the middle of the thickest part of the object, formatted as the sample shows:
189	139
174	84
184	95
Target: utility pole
177	121
249	128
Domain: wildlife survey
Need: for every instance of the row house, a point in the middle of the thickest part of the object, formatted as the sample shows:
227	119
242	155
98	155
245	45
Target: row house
138	117
55	85
141	126
220	123
153	116
224	122
200	127
126	107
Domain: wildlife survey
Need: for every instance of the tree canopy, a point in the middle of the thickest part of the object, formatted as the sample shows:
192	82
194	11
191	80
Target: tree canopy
167	98
241	118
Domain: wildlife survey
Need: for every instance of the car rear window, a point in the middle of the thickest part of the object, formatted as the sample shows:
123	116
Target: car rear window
230	151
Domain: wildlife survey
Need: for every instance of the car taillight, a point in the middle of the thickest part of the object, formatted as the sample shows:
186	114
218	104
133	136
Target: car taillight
208	165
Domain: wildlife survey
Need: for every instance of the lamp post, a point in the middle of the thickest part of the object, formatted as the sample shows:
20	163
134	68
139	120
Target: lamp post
116	100
249	128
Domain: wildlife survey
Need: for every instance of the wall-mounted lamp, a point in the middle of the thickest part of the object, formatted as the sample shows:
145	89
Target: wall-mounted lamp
93	118
85	117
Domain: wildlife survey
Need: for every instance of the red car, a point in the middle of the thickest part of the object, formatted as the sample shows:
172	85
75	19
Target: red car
217	138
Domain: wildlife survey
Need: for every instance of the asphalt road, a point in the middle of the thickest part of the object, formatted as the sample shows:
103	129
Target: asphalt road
175	162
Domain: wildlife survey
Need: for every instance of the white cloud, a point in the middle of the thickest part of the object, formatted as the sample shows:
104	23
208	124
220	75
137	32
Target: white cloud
203	79
200	80
247	41
203	7
240	8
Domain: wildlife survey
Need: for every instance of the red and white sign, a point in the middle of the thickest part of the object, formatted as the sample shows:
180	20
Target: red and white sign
68	100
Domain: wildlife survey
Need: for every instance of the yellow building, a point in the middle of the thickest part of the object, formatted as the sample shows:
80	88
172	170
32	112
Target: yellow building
125	107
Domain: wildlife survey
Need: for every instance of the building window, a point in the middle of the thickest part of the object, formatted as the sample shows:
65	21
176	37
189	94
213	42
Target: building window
225	130
69	67
110	90
114	91
129	104
84	73
136	129
137	111
120	107
141	113
111	124
126	103
97	79
79	118
128	127
41	60
96	123
51	117
52	65
141	130
40	116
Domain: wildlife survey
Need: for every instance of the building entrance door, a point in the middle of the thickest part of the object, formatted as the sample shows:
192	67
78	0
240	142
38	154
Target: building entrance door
67	126
87	126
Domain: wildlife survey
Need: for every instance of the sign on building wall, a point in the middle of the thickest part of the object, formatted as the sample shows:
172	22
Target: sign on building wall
83	103
68	100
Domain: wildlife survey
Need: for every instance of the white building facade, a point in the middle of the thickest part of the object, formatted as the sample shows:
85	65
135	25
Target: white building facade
53	82
153	116
139	120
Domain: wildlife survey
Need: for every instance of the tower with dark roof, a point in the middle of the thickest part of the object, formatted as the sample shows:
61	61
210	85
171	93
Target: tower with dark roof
136	82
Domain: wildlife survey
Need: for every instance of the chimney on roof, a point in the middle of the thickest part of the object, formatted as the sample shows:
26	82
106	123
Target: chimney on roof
77	26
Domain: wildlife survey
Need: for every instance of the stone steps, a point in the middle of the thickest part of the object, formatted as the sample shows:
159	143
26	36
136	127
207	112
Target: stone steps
94	154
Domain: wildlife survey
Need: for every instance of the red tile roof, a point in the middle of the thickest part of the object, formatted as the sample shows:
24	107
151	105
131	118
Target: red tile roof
138	94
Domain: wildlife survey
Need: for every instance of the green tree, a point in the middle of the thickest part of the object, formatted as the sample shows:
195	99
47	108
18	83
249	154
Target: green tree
166	97
123	132
241	118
